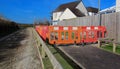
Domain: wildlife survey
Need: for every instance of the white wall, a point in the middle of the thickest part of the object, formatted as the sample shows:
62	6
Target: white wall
67	14
56	15
117	5
91	14
54	23
82	8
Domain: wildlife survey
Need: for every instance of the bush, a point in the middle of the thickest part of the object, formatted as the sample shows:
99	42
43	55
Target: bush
7	27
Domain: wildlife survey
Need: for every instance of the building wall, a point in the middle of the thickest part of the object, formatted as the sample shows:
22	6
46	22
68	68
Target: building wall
67	14
117	5
56	15
91	13
108	10
82	8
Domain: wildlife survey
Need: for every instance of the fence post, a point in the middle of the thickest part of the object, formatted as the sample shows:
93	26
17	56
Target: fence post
99	44
114	47
45	51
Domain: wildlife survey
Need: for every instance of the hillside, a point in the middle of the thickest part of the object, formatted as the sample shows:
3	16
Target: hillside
7	27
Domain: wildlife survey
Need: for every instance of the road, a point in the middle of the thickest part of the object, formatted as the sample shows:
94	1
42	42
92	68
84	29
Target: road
89	57
18	51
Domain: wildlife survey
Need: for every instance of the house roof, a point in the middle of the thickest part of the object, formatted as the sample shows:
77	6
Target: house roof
77	12
72	7
91	9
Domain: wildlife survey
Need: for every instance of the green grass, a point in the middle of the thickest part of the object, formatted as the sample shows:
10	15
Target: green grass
61	60
118	49
109	47
47	63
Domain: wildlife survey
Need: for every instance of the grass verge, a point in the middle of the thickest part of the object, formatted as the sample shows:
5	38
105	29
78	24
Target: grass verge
61	60
109	47
47	63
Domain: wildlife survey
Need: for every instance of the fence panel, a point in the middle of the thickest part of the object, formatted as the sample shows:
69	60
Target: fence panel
111	21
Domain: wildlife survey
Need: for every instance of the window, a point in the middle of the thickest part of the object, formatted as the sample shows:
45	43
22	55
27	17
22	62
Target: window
76	35
91	34
80	35
84	35
99	34
73	35
62	34
66	35
52	36
56	35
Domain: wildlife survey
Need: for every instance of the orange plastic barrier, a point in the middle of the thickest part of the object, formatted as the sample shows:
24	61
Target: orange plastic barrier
92	33
71	34
64	35
43	31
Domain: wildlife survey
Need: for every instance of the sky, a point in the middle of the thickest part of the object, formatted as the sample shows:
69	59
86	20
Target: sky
27	11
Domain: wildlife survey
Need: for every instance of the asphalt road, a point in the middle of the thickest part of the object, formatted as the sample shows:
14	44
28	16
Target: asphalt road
18	51
89	57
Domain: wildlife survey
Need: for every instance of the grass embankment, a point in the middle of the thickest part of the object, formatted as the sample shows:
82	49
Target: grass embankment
7	27
60	59
109	47
22	26
47	63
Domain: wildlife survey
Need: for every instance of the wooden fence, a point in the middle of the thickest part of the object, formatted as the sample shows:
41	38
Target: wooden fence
111	21
46	51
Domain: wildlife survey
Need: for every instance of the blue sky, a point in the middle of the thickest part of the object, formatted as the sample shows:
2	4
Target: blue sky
26	11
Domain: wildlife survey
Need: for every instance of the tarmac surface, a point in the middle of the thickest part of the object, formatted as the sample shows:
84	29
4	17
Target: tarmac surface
18	51
89	57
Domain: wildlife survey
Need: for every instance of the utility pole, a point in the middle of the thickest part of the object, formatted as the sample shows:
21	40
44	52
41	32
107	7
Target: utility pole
99	6
99	16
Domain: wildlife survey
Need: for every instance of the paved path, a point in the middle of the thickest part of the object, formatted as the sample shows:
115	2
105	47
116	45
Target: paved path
18	51
91	57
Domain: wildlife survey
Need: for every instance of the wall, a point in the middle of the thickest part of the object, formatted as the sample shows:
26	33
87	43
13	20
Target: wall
67	14
117	5
56	15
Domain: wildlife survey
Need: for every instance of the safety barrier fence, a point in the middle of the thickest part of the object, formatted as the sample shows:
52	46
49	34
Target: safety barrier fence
46	51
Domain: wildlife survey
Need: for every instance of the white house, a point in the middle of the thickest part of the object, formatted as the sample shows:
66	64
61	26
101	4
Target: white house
117	5
108	10
112	9
71	10
92	11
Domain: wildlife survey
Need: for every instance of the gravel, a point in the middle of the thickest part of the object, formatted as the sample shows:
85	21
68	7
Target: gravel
19	51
